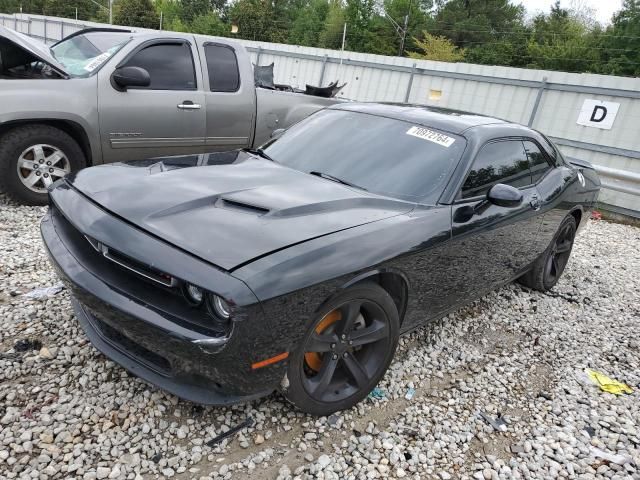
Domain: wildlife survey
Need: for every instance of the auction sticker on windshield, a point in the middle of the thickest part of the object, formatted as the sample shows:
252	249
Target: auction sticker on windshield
431	136
97	61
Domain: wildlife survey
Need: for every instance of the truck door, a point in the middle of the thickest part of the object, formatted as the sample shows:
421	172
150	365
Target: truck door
230	96
165	118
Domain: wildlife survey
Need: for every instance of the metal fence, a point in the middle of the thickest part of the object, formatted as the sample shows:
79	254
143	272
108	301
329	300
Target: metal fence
552	102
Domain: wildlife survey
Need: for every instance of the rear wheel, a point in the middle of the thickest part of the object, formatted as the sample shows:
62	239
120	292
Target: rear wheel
346	352
548	268
32	157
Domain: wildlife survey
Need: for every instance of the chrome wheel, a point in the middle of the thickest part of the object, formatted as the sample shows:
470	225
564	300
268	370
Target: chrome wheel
40	165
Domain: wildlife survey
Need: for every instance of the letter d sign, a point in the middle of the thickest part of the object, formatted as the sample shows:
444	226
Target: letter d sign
598	114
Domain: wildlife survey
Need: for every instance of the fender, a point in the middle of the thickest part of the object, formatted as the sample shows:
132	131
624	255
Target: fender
91	146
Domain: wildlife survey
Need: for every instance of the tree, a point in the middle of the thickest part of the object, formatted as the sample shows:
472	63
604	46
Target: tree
621	45
561	41
309	23
490	31
331	35
190	9
387	36
437	48
58	8
209	24
136	13
172	15
256	21
358	16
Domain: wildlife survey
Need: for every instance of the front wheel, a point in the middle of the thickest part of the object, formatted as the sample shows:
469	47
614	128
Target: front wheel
548	268
346	351
32	157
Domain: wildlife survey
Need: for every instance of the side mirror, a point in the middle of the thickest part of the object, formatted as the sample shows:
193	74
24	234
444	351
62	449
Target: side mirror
504	196
125	77
277	133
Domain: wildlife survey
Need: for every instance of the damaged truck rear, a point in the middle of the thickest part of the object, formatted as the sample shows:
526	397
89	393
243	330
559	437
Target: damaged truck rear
105	95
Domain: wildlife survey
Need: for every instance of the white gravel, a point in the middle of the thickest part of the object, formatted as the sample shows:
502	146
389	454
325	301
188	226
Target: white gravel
68	412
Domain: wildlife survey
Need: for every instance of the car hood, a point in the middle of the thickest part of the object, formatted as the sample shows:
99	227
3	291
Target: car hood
33	47
231	214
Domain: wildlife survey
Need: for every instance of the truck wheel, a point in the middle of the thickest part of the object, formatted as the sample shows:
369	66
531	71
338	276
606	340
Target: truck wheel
32	157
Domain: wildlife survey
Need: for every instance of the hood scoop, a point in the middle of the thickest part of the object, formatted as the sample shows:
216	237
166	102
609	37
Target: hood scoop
230	214
241	206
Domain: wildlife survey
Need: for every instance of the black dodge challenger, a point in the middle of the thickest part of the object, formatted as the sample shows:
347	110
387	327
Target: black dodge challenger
223	277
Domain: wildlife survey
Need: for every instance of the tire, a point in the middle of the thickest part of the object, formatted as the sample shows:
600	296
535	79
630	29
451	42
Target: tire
330	372
45	154
548	268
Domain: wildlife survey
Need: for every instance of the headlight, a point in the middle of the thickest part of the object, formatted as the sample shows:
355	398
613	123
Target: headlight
219	307
193	294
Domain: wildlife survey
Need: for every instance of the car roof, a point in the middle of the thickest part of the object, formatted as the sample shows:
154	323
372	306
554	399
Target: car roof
147	34
454	121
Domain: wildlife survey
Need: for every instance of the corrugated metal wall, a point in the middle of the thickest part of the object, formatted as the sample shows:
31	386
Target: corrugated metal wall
549	101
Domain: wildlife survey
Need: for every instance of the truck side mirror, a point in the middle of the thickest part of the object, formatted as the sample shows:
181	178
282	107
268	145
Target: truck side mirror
125	77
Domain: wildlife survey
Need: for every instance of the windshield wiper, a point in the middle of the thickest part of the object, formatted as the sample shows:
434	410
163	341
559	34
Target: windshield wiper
336	179
259	152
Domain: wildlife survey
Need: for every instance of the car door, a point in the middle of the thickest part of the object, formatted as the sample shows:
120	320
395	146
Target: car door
230	102
495	244
165	118
554	181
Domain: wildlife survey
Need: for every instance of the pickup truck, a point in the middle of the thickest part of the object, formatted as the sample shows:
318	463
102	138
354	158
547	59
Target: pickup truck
102	95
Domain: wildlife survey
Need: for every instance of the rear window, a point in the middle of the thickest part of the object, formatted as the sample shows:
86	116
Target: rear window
222	66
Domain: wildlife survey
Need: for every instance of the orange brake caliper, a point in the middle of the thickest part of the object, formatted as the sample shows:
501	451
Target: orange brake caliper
314	359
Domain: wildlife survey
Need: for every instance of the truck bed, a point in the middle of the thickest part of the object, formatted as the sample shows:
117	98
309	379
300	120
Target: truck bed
276	109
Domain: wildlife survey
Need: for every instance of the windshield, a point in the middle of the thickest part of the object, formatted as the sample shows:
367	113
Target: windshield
83	54
382	155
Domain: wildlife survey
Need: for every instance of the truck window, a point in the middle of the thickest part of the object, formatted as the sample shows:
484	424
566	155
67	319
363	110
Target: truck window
170	66
222	65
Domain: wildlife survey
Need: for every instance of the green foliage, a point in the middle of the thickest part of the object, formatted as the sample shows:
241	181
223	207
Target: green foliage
491	32
620	43
331	34
254	19
136	13
437	48
209	24
308	26
561	42
57	8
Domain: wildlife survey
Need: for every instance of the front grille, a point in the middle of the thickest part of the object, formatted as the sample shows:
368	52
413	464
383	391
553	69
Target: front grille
128	346
133	265
168	301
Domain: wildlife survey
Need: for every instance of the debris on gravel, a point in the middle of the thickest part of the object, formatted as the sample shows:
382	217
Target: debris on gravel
68	412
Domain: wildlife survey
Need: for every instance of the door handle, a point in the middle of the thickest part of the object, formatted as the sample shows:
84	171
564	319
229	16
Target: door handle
189	105
535	202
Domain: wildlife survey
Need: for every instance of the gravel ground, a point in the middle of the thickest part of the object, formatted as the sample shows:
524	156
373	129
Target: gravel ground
68	412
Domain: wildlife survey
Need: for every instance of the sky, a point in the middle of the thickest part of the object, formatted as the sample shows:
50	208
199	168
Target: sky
603	9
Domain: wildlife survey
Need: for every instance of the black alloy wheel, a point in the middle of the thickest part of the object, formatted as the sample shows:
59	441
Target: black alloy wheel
560	252
548	268
347	351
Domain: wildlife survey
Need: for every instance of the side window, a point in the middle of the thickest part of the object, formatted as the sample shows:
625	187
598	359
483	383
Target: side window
537	161
170	66
222	65
497	162
551	149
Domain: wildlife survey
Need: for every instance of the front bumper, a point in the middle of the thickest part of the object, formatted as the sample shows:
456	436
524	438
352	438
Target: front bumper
149	341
